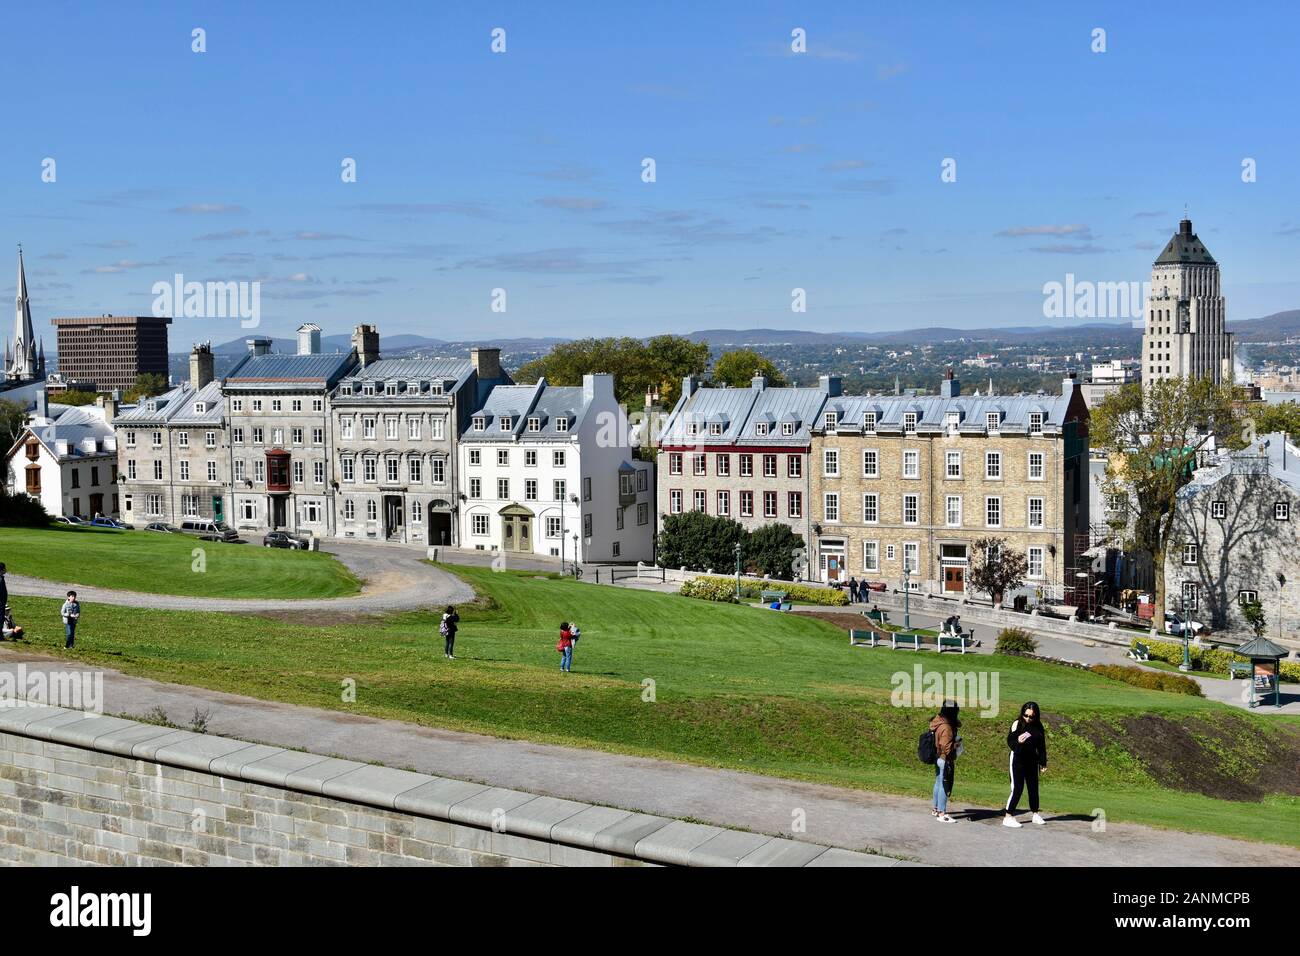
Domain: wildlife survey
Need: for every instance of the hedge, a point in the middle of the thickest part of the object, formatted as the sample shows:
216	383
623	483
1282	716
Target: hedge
710	589
797	592
1208	659
1151	680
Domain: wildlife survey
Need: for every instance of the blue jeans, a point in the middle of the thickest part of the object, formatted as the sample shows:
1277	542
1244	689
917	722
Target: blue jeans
566	659
940	785
69	632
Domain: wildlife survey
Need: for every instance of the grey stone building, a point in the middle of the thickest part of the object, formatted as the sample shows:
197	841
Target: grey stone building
1186	314
1236	540
395	425
280	454
174	451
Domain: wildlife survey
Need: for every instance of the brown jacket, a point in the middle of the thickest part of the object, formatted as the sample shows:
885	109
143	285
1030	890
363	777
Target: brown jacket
945	738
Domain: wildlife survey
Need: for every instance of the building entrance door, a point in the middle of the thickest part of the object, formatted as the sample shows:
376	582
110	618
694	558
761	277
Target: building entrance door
277	511
954	578
516	528
392	516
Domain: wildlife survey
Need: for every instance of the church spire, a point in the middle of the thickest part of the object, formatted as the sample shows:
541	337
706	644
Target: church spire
22	364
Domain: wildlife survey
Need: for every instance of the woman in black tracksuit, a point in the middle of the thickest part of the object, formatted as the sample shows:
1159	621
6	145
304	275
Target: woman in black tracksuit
1028	745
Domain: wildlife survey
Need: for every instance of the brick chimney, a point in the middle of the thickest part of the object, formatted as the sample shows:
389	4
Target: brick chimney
487	362
365	341
201	367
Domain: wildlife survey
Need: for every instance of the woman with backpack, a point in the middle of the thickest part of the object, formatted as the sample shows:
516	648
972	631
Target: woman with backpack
947	746
448	631
1028	743
565	647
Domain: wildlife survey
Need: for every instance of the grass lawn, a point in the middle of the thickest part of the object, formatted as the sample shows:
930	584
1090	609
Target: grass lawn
166	564
725	685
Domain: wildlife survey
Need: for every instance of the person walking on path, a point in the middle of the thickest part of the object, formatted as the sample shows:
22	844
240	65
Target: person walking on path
71	613
853	590
947	745
1028	744
565	646
447	628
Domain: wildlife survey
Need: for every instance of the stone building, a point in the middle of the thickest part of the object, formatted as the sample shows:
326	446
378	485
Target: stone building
174	451
395	425
66	458
1186	314
742	453
1236	540
280	467
914	481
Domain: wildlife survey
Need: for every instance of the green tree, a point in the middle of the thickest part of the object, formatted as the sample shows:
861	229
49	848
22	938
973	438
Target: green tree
1153	435
996	568
74	397
147	385
1253	612
21	511
656	365
771	549
698	541
739	366
13	419
1266	418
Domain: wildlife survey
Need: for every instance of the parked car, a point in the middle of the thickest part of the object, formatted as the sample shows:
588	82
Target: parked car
282	539
161	527
1175	625
103	521
209	530
68	519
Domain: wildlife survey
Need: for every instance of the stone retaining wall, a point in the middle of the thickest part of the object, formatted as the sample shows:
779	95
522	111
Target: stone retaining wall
82	788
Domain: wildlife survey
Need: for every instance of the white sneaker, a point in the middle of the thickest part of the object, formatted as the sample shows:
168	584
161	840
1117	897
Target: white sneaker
1038	818
1010	821
944	818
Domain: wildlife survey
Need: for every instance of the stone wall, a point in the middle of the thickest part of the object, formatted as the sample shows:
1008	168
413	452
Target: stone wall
81	788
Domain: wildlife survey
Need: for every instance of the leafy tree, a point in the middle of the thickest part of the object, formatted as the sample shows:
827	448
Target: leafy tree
1265	418
739	366
996	568
770	550
21	511
1153	435
698	541
1253	612
74	397
13	419
655	365
147	385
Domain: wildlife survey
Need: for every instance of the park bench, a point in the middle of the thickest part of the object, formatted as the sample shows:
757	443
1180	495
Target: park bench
867	638
770	596
877	615
1239	669
961	642
1140	652
898	640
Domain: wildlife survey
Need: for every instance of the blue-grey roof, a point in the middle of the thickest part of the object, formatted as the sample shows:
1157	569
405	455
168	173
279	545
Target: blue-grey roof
77	427
547	403
932	412
451	372
1270	454
731	406
315	371
177	407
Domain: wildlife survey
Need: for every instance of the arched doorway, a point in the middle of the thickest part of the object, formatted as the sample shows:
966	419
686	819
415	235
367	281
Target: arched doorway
516	528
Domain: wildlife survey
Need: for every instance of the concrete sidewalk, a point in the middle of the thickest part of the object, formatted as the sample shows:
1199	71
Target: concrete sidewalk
895	826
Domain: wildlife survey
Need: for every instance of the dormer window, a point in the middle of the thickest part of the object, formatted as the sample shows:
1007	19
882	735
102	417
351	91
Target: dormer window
435	388
534	423
200	407
787	429
831	420
368	388
909	423
562	424
715	428
480	423
1035	423
991	421
346	390
692	429
869	421
506	423
760	428
954	421
390	388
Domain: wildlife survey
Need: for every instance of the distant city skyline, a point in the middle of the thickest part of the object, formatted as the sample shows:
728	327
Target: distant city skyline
522	171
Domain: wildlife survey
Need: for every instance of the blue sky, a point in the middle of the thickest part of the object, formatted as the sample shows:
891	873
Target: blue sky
522	170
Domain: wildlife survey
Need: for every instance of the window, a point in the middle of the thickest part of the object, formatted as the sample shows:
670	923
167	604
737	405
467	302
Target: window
259	470
437	429
1191	595
722	465
769	466
1035	423
503	457
746	466
130	469
911	560
992	420
675	463
157	470
586	526
475	456
889	552
413	429
993	465
715	428
724	503
258	435
1035	466
368	428
675	501
275	405
257	404
503	488
345	428
909	423
870	555
870	508
643	480
298	472
558	488
1036	519
701	500
506	423
586	490
348	465
480	423
157	439
479	525
699	464
747	504
475	486
370	469
415	470
557	459
794	503
1218	509
1247	597
185	473
911	464
1190	553
130	439
210	440
871	463
530	489
952	511
869	422
830	420
237	405
1282	511
830	462
349	510
530	459
769	504
297	436
562	424
787	429
831	506
993	512
911	509
952	464
794	466
417	513
534	423
437	471
553	526
760	429
1035	562
212	470
643	513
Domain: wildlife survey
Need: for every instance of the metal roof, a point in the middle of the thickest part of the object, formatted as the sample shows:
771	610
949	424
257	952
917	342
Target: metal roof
319	370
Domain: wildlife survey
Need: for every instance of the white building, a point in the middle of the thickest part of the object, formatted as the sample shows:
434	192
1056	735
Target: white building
67	459
551	470
1186	314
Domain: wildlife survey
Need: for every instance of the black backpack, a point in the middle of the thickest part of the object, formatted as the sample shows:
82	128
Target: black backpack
926	749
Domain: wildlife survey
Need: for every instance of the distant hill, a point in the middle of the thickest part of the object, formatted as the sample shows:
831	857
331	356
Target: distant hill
1270	328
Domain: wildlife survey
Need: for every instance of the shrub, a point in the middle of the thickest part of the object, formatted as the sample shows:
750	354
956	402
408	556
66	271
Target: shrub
1015	640
698	541
20	511
807	593
1151	680
1209	659
771	549
710	589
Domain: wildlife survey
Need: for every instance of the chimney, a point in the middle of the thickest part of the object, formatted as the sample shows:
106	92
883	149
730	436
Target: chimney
309	339
758	383
598	386
1069	383
201	365
487	362
259	345
109	404
950	387
690	385
42	405
830	384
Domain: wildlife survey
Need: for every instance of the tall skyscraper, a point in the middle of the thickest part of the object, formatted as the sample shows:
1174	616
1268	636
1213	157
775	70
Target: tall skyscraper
1186	314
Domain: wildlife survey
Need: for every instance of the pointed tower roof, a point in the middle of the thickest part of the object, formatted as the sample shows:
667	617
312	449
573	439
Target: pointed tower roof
1185	247
24	337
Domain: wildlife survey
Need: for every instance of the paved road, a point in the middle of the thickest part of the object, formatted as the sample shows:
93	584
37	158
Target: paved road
894	826
394	579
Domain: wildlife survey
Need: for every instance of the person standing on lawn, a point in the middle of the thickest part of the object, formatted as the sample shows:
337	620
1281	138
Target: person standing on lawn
565	646
947	745
1028	744
447	628
71	614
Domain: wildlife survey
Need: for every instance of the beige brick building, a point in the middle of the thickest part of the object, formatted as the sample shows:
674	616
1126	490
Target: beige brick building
915	481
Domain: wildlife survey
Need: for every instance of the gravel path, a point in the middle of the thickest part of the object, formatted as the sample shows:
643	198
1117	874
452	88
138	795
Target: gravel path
394	579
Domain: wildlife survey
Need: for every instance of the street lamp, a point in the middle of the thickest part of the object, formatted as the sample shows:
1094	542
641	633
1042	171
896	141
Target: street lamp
1186	665
575	555
737	550
907	595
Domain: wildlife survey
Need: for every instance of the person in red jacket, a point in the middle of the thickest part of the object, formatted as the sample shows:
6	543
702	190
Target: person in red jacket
565	647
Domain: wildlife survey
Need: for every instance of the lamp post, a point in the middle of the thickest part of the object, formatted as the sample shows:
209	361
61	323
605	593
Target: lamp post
576	573
1186	665
907	594
737	549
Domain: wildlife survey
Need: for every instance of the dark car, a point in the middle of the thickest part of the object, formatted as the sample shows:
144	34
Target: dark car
282	539
161	527
103	521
